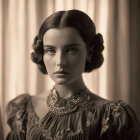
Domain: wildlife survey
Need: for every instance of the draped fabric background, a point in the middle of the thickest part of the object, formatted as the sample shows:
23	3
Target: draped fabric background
117	20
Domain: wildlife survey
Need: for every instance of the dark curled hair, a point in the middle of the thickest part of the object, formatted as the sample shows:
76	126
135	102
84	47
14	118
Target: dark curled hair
86	28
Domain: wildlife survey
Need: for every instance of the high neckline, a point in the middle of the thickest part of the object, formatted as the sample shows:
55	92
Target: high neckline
61	106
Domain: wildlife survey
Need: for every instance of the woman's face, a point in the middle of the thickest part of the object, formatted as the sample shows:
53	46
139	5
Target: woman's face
64	55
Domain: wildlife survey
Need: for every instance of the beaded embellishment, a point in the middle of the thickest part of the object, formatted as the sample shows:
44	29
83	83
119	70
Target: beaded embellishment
115	113
66	106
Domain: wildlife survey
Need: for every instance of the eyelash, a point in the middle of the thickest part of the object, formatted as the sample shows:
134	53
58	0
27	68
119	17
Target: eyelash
73	50
49	51
53	51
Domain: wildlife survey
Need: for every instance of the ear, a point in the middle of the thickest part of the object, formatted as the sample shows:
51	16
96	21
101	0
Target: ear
89	53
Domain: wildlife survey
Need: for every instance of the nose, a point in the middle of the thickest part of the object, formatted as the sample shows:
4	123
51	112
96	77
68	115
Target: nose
60	59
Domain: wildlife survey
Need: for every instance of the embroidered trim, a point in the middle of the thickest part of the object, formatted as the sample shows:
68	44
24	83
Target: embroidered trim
115	113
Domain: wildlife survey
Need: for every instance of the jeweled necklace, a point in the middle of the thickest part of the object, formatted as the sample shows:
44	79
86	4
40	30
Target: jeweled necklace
66	106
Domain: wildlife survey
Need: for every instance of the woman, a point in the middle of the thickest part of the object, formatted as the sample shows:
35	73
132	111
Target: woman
67	45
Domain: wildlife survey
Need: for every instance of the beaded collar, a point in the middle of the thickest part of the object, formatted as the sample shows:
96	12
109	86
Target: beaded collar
65	106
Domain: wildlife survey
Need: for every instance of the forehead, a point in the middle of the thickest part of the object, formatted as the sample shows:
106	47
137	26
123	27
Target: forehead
62	36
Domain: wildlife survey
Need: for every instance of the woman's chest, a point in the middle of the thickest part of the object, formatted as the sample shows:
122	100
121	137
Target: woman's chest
74	126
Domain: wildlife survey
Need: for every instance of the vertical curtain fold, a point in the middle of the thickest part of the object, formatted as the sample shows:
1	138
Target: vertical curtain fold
134	52
118	50
1	76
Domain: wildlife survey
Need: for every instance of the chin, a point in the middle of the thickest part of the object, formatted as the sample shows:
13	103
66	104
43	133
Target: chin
61	81
64	80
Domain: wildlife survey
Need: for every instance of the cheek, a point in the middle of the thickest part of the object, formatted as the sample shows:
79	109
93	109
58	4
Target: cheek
78	63
48	63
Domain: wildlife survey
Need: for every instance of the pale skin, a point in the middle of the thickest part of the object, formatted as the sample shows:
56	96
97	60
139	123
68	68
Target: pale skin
65	50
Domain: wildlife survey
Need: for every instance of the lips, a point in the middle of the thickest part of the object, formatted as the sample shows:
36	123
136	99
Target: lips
61	72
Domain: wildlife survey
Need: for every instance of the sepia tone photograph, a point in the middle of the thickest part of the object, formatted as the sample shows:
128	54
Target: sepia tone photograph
69	70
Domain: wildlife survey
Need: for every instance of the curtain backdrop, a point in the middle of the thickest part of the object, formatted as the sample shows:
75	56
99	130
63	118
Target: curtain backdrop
117	20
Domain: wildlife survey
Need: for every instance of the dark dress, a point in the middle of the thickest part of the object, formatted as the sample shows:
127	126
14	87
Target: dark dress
98	119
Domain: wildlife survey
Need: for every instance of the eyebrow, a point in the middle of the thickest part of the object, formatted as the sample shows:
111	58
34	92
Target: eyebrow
49	46
67	45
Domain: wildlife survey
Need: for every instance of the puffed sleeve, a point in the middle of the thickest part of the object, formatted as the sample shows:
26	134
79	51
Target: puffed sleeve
16	113
119	122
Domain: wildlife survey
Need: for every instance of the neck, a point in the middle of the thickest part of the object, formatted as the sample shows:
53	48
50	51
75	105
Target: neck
69	90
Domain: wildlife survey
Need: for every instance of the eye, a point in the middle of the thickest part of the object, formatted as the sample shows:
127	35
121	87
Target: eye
72	50
50	51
